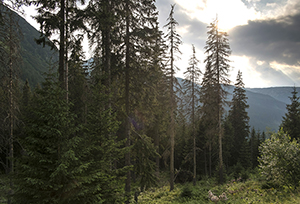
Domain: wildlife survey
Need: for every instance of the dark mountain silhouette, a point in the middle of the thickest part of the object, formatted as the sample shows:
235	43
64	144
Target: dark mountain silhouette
36	59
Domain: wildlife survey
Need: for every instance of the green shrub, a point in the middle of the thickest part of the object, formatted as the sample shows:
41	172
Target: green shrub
186	192
280	160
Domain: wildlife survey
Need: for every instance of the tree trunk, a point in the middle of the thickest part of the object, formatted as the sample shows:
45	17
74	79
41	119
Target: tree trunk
156	144
107	51
127	120
219	111
11	108
220	150
209	159
172	125
66	53
194	131
61	68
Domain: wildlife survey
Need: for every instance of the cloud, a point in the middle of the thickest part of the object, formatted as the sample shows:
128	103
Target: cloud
269	47
271	75
269	40
273	45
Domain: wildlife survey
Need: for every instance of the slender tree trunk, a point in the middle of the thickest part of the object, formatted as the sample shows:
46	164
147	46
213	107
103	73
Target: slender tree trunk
219	112
205	162
172	125
209	159
107	50
156	144
194	130
220	148
11	108
66	53
127	126
61	68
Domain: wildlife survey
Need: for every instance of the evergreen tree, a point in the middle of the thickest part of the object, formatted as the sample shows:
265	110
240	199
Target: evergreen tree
104	177
208	96
9	64
291	120
78	87
45	172
218	50
254	143
63	17
125	33
192	75
67	162
26	94
239	119
174	41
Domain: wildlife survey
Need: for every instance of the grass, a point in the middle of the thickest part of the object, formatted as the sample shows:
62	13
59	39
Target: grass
254	190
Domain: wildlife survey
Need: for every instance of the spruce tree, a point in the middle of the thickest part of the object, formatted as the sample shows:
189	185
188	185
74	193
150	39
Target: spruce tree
45	171
291	120
192	75
63	160
63	17
174	40
208	96
104	176
9	63
239	119
217	50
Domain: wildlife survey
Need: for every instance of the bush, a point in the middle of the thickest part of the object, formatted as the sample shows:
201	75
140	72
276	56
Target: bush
186	192
280	160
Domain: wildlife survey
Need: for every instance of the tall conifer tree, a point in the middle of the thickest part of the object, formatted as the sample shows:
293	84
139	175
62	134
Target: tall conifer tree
218	50
192	75
64	17
239	119
9	63
208	96
174	40
291	120
138	36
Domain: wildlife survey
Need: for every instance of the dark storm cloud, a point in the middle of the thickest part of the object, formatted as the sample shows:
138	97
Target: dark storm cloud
269	40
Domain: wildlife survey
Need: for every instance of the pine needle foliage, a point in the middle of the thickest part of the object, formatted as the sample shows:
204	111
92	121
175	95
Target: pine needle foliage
291	120
67	162
46	170
174	40
218	51
239	119
192	93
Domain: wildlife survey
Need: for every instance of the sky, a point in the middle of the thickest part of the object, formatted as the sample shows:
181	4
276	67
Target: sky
264	36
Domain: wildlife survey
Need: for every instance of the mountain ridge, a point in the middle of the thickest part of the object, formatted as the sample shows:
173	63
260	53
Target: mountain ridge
267	106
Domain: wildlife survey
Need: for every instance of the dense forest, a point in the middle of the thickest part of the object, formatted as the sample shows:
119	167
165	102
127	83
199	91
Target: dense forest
105	130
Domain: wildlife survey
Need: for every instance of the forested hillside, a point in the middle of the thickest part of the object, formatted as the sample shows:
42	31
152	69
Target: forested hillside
125	124
36	60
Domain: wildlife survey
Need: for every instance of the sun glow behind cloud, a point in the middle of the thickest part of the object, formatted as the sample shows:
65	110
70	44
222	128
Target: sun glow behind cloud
230	13
291	71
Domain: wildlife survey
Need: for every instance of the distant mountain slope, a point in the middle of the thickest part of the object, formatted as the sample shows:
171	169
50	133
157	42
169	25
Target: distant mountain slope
36	58
265	111
279	93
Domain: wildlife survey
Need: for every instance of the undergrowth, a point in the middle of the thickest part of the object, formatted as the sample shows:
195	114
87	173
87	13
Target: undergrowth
254	190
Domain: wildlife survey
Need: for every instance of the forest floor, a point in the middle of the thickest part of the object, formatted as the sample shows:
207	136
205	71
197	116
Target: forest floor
254	190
